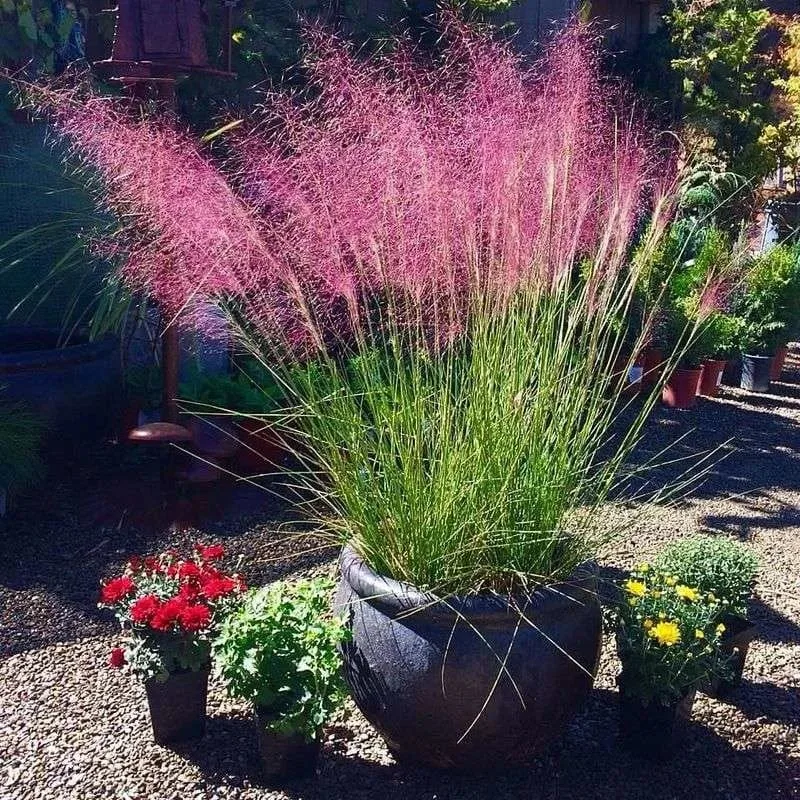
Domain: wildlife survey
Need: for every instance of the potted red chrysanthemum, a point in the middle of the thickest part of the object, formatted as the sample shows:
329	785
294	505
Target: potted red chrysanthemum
168	608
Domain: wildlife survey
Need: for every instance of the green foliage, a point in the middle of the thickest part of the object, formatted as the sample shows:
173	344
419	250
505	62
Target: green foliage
668	636
713	564
30	34
715	54
473	466
768	304
248	390
279	651
21	434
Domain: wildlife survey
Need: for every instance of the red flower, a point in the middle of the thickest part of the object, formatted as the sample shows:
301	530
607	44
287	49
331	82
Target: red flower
189	591
195	617
188	570
117	658
115	590
144	608
151	563
135	564
168	614
211	552
216	587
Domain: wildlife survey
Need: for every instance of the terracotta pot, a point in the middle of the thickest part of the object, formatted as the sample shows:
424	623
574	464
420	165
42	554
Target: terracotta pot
778	361
680	391
652	365
284	757
711	377
652	731
178	706
261	450
424	673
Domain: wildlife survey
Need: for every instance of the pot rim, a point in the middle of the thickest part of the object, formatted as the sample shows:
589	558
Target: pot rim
398	597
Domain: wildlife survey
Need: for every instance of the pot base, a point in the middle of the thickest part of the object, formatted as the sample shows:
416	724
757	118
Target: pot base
284	757
652	731
178	706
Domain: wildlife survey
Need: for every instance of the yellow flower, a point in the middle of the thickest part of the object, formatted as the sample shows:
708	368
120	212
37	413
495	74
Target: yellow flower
666	633
657	594
636	588
662	615
648	623
720	628
670	581
643	567
686	593
698	634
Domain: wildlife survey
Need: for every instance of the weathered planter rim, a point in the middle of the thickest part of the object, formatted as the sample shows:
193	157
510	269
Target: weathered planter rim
397	598
47	357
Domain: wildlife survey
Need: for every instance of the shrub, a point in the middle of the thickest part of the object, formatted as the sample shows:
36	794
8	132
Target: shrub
168	608
714	564
668	636
768	303
278	650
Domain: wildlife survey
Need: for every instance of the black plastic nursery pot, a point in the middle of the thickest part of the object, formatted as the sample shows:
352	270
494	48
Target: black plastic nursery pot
756	373
284	757
178	706
652	731
735	643
471	683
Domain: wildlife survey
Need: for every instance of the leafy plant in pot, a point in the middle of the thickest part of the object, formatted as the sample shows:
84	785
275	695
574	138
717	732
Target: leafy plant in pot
168	608
727	570
466	340
279	651
668	639
767	307
682	383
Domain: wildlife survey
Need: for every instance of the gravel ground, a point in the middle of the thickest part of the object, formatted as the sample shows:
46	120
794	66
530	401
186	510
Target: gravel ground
72	730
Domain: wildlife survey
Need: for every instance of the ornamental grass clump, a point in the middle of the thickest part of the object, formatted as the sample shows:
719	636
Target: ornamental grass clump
714	564
444	243
169	608
668	637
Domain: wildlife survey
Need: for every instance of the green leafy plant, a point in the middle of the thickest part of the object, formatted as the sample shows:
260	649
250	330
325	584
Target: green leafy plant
668	636
279	651
716	55
249	390
714	564
35	33
21	434
768	303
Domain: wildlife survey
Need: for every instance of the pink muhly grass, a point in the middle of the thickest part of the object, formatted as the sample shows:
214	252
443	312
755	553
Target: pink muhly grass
427	181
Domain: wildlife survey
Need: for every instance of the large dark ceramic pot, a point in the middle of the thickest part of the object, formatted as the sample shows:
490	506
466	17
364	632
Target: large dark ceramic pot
430	677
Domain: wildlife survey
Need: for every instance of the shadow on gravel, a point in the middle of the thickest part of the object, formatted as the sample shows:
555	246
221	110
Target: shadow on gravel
97	509
766	700
773	626
585	764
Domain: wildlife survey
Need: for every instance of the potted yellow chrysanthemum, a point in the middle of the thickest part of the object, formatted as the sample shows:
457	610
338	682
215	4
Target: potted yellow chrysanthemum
668	639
